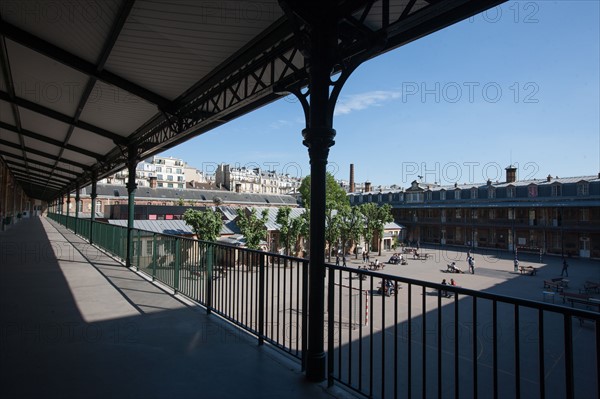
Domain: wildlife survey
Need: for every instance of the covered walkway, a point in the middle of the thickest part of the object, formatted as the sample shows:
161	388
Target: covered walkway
76	323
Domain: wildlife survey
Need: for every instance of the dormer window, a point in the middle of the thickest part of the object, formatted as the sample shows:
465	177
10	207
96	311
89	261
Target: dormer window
556	190
532	191
510	192
491	192
428	195
583	188
457	194
473	193
443	195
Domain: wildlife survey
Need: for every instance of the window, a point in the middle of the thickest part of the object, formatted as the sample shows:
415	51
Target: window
532	191
170	185
160	177
390	197
556	190
443	195
473	193
149	245
160	185
180	185
492	214
458	214
169	170
510	192
179	178
136	248
583	188
159	168
428	195
457	194
170	177
474	214
179	171
511	214
491	192
584	215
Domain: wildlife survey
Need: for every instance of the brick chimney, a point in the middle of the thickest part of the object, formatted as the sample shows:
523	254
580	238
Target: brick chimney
367	186
549	178
351	189
153	181
511	174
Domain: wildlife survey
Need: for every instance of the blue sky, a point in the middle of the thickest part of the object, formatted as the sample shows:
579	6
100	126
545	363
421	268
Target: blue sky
517	84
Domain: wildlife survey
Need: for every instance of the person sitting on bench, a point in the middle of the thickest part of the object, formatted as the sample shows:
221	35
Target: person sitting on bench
452	268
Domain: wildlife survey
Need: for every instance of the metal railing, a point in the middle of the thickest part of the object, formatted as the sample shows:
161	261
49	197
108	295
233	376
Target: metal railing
432	340
426	339
263	293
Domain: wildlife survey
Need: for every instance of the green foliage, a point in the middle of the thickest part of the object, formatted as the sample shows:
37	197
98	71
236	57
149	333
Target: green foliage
285	225
206	224
299	228
181	201
375	218
351	225
335	195
252	227
332	229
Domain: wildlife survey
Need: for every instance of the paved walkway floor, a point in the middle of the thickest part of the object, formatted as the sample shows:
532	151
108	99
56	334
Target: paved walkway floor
76	323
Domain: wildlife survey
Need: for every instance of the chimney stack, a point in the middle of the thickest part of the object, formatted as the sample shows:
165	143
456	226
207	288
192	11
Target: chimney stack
351	178
549	178
511	174
153	181
367	186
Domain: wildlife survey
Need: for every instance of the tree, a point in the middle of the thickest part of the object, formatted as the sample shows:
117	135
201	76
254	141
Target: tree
332	228
335	195
375	218
181	201
351	225
252	227
299	229
205	224
285	227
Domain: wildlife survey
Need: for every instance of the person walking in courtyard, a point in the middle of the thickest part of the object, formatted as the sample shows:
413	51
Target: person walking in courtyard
337	259
471	265
364	257
565	269
344	260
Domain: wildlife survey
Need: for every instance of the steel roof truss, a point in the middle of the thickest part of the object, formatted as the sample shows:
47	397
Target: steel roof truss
44	154
72	61
46	139
35	162
21	102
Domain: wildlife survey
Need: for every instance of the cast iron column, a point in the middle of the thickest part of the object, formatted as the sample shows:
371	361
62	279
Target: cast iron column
318	137
131	186
77	199
93	196
68	205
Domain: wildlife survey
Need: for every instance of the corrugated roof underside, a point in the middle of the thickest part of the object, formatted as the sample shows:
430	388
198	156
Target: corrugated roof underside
116	110
169	47
80	27
43	81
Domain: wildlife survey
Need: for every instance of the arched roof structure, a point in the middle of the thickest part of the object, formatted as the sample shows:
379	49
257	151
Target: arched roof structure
82	82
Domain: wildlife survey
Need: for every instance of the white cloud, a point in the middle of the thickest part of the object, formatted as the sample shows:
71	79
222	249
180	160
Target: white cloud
357	102
279	124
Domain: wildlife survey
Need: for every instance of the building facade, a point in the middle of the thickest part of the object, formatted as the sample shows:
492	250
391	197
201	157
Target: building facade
554	215
255	180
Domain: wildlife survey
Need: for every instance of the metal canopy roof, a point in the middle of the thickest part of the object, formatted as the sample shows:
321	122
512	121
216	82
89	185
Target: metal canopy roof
82	82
